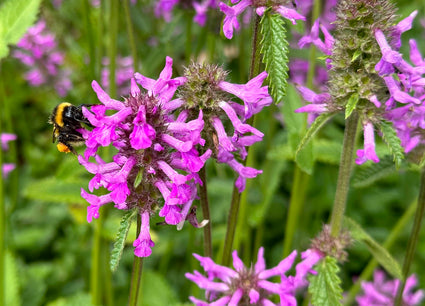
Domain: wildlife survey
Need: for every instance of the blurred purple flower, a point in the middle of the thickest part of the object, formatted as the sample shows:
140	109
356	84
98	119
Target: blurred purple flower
231	23
38	50
245	286
124	73
382	292
164	9
4	140
157	153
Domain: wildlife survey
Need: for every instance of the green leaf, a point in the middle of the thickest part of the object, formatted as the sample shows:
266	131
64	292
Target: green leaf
351	104
54	190
368	174
325	286
305	158
121	237
16	16
394	144
294	122
138	179
269	184
327	151
274	48
379	253
12	280
156	290
314	128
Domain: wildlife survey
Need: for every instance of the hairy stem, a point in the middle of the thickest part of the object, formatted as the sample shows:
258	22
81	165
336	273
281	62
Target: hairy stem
234	206
344	173
136	274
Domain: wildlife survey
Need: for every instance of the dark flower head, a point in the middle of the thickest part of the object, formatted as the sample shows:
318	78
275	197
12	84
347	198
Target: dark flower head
225	130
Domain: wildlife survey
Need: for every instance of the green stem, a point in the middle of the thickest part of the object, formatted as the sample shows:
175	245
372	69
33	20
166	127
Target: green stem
90	37
413	240
373	263
234	206
112	49
136	274
130	32
95	279
203	194
296	203
2	215
344	173
301	179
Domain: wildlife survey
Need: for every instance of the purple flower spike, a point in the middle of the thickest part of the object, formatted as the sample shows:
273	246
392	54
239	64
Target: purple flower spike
382	292
244	286
157	154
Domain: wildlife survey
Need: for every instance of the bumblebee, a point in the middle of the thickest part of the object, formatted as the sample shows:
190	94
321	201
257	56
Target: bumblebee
66	119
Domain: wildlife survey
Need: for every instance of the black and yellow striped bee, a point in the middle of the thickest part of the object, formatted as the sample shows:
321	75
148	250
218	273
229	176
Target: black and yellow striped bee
66	119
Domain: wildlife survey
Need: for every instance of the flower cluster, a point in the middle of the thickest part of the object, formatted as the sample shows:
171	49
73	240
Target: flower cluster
157	161
360	78
247	286
231	23
164	8
38	50
205	89
124	72
4	139
382	292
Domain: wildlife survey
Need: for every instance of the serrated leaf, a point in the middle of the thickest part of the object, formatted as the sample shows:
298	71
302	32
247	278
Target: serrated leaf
351	104
12	280
394	144
16	16
274	48
121	237
369	174
379	252
314	128
325	286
